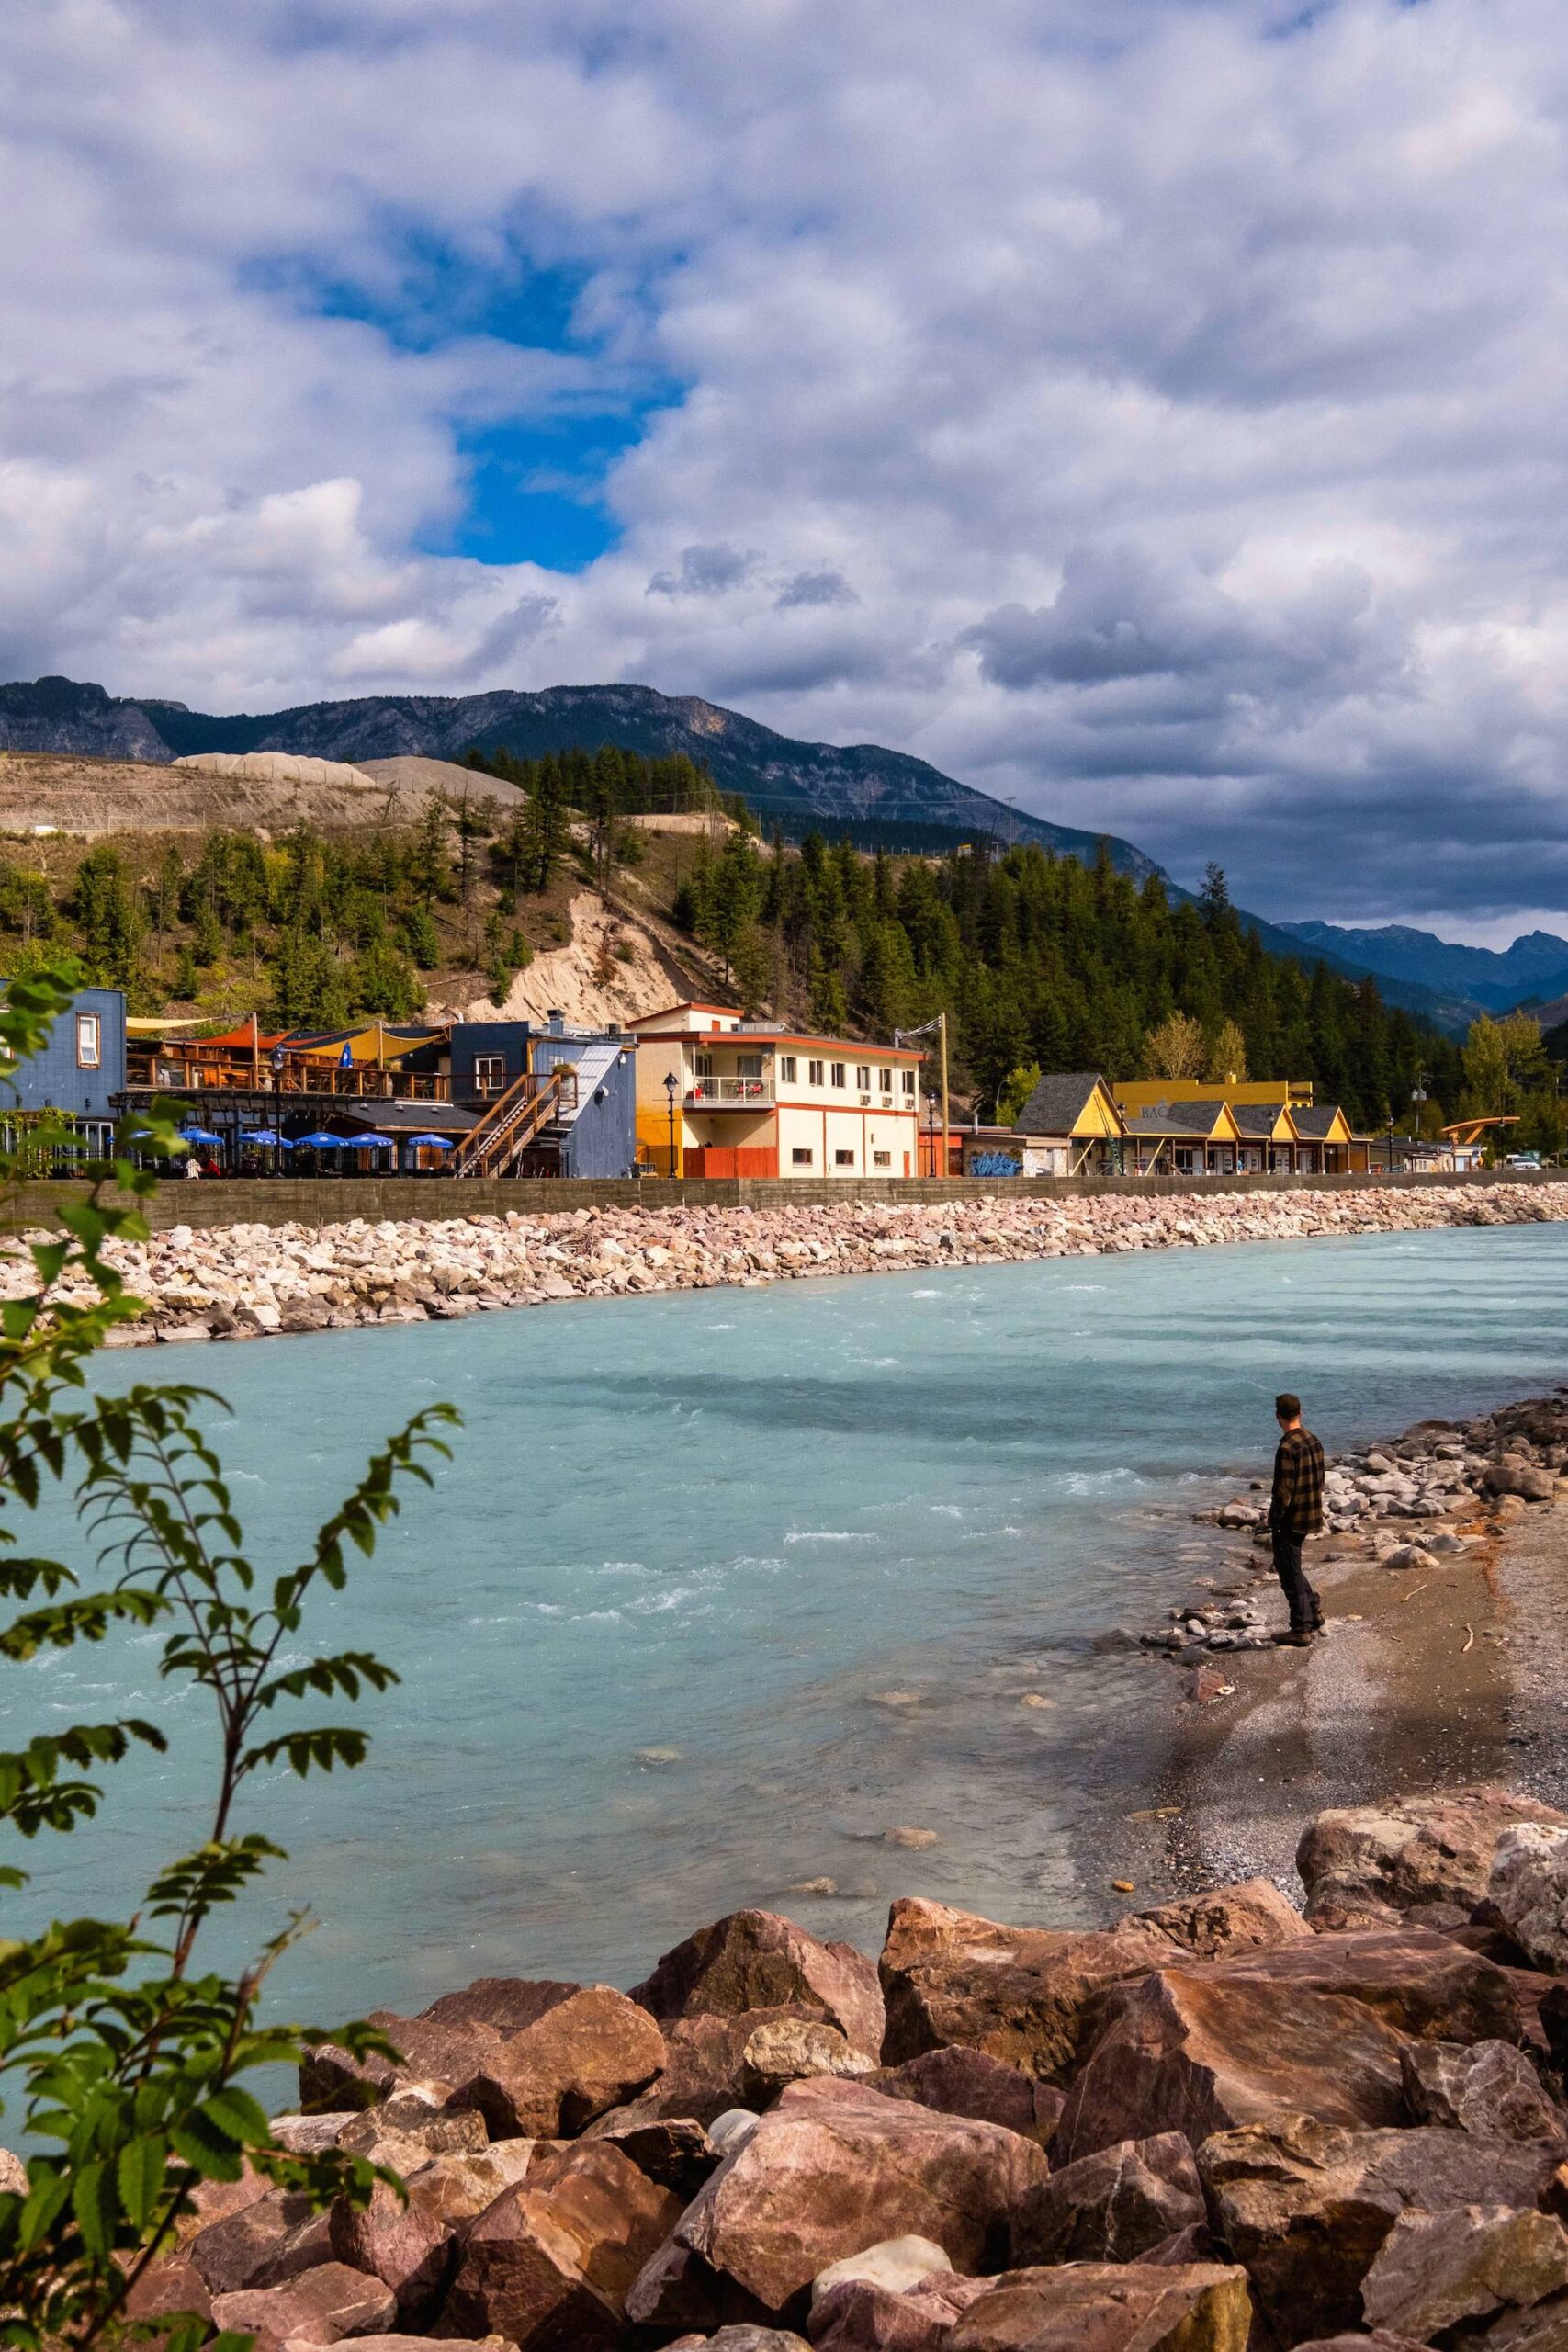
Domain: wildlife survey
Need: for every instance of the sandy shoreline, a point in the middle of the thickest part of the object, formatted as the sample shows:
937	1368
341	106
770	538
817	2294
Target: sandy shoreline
1432	1678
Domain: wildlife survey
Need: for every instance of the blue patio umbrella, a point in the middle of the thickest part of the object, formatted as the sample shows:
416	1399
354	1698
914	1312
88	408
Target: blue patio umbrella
436	1143
322	1141
376	1142
199	1135
266	1134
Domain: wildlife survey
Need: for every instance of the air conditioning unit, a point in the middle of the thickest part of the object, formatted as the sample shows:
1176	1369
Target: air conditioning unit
887	1102
865	1100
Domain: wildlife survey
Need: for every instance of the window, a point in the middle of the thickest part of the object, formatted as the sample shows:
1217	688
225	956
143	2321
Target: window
704	1065
786	1069
89	1041
862	1075
908	1081
836	1075
843	1159
749	1064
489	1073
801	1155
814	1073
885	1081
882	1159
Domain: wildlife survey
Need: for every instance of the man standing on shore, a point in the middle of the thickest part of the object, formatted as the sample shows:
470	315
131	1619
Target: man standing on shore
1295	1511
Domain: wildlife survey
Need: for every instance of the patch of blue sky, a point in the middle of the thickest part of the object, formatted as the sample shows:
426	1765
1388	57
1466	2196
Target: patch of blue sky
535	482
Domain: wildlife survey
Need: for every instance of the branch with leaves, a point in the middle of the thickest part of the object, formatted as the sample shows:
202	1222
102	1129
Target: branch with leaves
127	2064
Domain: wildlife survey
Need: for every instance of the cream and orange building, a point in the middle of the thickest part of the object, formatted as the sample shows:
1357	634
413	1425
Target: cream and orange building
720	1095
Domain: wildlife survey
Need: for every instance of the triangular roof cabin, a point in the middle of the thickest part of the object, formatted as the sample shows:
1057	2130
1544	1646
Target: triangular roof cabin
1321	1123
1076	1104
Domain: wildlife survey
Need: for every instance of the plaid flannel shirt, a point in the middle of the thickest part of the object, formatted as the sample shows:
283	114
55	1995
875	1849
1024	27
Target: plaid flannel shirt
1296	1508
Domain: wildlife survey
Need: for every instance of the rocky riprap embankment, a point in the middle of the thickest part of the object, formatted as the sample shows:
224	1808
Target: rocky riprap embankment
241	1281
1216	2123
1456	1480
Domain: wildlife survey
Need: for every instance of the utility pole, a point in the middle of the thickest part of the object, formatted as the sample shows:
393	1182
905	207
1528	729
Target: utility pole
939	1029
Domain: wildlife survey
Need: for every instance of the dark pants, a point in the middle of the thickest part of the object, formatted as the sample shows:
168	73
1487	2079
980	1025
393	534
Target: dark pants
1306	1609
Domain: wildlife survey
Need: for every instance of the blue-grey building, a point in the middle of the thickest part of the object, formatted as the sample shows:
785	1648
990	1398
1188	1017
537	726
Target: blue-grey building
593	1132
80	1067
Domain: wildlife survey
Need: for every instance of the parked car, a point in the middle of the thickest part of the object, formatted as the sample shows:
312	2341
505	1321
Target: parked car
1525	1160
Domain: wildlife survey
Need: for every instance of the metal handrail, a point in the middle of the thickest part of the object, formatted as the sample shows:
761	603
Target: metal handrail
511	1123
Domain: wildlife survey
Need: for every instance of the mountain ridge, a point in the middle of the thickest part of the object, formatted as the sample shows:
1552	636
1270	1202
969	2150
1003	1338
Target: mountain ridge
1494	979
783	780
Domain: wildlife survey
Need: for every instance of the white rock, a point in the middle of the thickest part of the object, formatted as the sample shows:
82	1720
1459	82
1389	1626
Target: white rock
1529	1886
896	2264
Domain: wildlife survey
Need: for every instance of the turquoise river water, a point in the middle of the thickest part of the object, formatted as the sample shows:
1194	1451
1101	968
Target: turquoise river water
718	1525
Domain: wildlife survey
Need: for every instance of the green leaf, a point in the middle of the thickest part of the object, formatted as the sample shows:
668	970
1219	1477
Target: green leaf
94	2202
142	2176
235	2113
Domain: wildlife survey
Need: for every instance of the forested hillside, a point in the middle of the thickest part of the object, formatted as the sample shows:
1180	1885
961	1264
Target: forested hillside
1044	961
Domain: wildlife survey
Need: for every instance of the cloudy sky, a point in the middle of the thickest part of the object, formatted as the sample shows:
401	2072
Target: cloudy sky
1153	411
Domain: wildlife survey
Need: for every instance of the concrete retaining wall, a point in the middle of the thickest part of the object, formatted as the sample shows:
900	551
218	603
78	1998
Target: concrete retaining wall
333	1200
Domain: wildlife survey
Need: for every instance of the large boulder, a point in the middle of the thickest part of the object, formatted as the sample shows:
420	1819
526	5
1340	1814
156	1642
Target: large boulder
536	2058
676	2152
1247	1916
835	2167
1306	2207
706	2069
955	2081
862	2315
1411	1850
1023	1994
1435	2271
580	2054
1108	2307
1113	2206
755	1959
234	2251
1418	1981
548	2263
1489	2089
410	2243
1529	1891
319	2307
1201	2050
439	2055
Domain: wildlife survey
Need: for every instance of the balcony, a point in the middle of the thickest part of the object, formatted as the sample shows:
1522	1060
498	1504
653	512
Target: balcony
730	1094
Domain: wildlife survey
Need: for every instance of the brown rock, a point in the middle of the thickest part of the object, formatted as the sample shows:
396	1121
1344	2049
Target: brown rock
1307	2206
793	2050
1378	2340
171	2284
1437	2269
1489	2089
1106	2307
1023	1994
755	1959
411	2243
421	2344
583	2055
1111	2207
231	2252
319	2307
305	2248
955	2081
1418	1983
548	2263
704	2070
1201	2050
743	2340
438	2054
506	2004
862	2317
835	2167
676	2152
675	2288
1228	1919
1432	1849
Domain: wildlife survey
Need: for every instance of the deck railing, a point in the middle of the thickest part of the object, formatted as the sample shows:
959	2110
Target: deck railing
703	1093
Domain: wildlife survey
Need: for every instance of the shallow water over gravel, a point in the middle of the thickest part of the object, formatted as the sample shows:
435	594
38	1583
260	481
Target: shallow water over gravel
719	1525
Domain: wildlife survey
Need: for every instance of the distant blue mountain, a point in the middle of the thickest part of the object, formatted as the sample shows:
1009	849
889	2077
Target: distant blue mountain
1493	980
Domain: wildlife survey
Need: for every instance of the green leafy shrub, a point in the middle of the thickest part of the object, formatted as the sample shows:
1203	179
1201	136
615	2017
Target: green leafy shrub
123	2058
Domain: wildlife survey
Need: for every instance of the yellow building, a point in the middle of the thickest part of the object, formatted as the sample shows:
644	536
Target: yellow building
1136	1094
720	1095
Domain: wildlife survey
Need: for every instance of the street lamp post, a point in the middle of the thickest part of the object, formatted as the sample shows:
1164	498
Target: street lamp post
670	1091
278	1110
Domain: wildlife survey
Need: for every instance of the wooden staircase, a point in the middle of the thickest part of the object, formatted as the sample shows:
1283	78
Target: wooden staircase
512	1122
